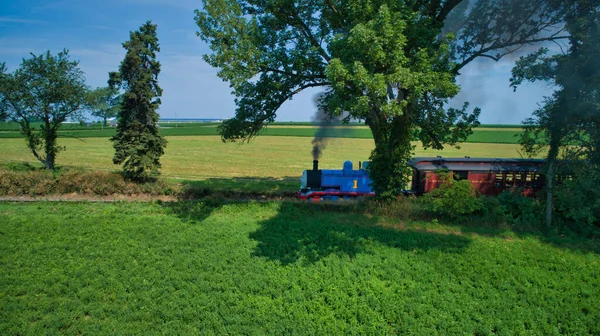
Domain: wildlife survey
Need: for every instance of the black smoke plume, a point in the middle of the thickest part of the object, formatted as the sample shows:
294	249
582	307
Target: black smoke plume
326	124
324	121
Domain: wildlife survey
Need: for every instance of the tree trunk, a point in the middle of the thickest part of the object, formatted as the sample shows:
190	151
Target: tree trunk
50	148
556	134
549	187
104	123
392	150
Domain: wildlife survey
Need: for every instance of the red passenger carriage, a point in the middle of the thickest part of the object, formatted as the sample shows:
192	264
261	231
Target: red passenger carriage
489	176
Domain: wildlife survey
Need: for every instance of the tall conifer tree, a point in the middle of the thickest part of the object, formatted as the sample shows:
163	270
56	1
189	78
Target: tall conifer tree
138	144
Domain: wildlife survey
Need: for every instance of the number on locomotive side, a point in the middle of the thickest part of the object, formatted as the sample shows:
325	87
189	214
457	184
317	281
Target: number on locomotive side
355	184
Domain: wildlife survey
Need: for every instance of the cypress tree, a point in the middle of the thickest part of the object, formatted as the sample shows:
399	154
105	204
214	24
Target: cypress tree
138	144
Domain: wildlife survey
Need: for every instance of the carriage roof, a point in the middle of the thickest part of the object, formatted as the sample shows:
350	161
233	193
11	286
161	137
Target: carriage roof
476	164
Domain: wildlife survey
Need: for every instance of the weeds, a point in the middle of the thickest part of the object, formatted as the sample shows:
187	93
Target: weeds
38	182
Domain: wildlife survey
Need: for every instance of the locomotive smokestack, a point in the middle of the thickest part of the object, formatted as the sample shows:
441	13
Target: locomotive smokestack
315	165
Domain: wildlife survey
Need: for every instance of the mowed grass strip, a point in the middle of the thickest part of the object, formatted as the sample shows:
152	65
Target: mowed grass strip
206	157
281	268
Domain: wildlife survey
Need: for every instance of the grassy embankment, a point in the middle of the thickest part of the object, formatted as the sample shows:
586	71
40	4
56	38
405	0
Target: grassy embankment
282	268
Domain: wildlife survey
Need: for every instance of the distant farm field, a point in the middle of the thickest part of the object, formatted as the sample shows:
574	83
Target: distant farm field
202	157
492	134
282	268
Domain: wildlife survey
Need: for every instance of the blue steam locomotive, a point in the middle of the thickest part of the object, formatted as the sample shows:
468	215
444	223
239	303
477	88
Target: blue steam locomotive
325	184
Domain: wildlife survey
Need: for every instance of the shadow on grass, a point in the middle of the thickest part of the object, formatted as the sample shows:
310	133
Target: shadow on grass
560	237
240	186
486	223
301	231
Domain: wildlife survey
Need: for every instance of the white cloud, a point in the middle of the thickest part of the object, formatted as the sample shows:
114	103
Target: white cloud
53	5
18	20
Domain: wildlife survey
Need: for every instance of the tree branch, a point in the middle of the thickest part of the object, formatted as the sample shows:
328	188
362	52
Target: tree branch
333	9
305	30
446	9
482	52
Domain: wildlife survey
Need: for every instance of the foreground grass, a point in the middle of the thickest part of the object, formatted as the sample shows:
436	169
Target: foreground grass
281	268
208	158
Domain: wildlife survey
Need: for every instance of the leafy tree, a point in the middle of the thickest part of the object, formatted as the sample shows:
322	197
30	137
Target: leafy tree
454	198
45	88
392	64
103	102
138	144
567	125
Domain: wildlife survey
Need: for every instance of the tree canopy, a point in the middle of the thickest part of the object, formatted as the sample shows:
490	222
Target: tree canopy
392	64
103	102
44	88
568	123
138	143
571	114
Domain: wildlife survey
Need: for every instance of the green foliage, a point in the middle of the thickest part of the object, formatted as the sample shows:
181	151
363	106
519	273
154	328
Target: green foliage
391	64
103	102
521	211
4	116
282	268
138	143
567	124
577	202
454	198
19	166
44	88
387	169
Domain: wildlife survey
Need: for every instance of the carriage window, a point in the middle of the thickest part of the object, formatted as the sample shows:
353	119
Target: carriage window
562	178
498	180
460	175
518	179
510	179
529	180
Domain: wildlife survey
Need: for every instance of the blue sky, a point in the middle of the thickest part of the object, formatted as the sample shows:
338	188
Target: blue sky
94	30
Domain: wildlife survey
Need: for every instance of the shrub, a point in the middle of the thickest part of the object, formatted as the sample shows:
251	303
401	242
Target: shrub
453	198
98	183
521	211
577	203
492	213
409	208
19	166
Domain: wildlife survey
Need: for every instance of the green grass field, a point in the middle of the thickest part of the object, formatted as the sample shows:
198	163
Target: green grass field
207	157
282	268
492	134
